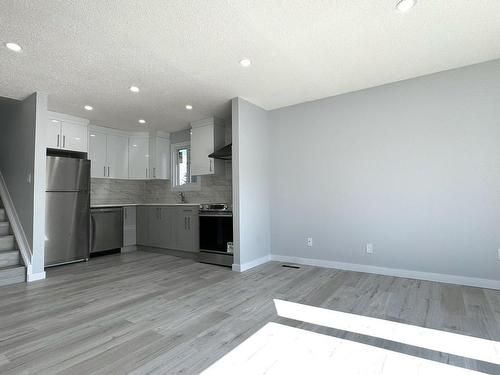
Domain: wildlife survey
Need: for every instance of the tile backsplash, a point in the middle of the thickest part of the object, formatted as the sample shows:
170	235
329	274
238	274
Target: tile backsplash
214	189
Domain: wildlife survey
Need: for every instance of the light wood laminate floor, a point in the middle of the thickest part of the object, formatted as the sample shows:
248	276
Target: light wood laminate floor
148	313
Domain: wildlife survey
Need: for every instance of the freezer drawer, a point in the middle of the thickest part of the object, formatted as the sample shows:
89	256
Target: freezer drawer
67	227
107	229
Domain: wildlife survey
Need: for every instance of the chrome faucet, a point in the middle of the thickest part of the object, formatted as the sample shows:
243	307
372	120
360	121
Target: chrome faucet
183	198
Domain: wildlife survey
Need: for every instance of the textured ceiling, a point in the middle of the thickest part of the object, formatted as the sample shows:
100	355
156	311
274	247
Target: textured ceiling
187	51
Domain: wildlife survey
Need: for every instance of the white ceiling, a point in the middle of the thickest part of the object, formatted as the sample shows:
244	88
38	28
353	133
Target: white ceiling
187	51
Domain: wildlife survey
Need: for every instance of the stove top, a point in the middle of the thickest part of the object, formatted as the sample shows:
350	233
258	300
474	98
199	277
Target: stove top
215	209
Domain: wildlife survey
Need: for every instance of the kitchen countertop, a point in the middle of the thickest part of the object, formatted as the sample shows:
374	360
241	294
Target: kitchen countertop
141	204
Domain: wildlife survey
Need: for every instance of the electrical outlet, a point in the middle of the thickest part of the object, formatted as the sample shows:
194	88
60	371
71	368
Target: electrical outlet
309	241
369	248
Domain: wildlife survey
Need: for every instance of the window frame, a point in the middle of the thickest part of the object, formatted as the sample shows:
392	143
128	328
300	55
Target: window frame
192	186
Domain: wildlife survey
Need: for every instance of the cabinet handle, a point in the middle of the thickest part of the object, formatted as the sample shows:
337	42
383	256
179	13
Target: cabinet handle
104	171
64	141
189	223
58	140
210	165
185	223
154	172
108	170
146	173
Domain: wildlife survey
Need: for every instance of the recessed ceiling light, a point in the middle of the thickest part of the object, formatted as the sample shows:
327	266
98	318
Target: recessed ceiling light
92	135
189	107
142	121
13	47
134	89
245	63
55	121
405	5
88	107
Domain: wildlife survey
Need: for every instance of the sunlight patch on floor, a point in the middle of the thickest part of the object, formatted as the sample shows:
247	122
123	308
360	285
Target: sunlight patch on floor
279	349
446	342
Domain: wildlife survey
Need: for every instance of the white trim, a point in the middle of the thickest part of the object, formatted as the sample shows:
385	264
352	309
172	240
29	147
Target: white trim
15	223
253	263
207	121
112	131
65	117
409	274
30	277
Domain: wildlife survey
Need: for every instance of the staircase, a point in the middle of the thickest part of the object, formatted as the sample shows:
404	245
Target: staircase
11	269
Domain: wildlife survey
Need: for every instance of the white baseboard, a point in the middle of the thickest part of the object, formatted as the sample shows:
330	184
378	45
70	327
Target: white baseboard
128	249
409	274
248	265
35	276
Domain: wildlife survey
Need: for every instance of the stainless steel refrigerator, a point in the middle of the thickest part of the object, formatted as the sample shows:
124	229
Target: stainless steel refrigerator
67	209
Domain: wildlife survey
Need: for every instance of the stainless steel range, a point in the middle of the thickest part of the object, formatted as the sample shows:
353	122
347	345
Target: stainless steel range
216	234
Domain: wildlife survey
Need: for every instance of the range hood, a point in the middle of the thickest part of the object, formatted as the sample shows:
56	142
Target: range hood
224	153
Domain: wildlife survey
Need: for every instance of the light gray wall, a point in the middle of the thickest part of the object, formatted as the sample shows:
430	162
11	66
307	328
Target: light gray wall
412	167
22	163
17	155
39	183
250	182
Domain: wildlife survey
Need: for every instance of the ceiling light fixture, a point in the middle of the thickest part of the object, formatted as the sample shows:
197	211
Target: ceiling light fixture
13	47
245	63
405	5
189	107
134	89
142	121
88	107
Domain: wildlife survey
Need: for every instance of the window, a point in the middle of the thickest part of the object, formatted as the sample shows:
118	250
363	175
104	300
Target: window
181	168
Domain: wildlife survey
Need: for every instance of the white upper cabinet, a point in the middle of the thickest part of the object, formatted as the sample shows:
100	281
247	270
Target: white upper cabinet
117	154
159	161
108	154
98	154
126	155
54	133
139	158
74	136
206	137
67	132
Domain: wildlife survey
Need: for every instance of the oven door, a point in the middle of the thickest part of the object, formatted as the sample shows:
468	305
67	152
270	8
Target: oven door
215	232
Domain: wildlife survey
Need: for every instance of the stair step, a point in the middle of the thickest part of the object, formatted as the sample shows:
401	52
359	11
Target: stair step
4	228
7	243
9	258
3	215
12	275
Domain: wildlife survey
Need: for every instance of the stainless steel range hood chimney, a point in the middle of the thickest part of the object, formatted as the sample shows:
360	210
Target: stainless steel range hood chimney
224	153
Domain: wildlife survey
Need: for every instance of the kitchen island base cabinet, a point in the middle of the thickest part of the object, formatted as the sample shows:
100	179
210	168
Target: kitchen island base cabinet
175	228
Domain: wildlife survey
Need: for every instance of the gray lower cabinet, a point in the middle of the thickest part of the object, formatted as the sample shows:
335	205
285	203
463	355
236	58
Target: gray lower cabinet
169	227
142	225
187	229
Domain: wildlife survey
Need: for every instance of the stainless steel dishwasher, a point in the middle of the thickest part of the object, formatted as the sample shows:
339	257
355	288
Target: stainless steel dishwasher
106	229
